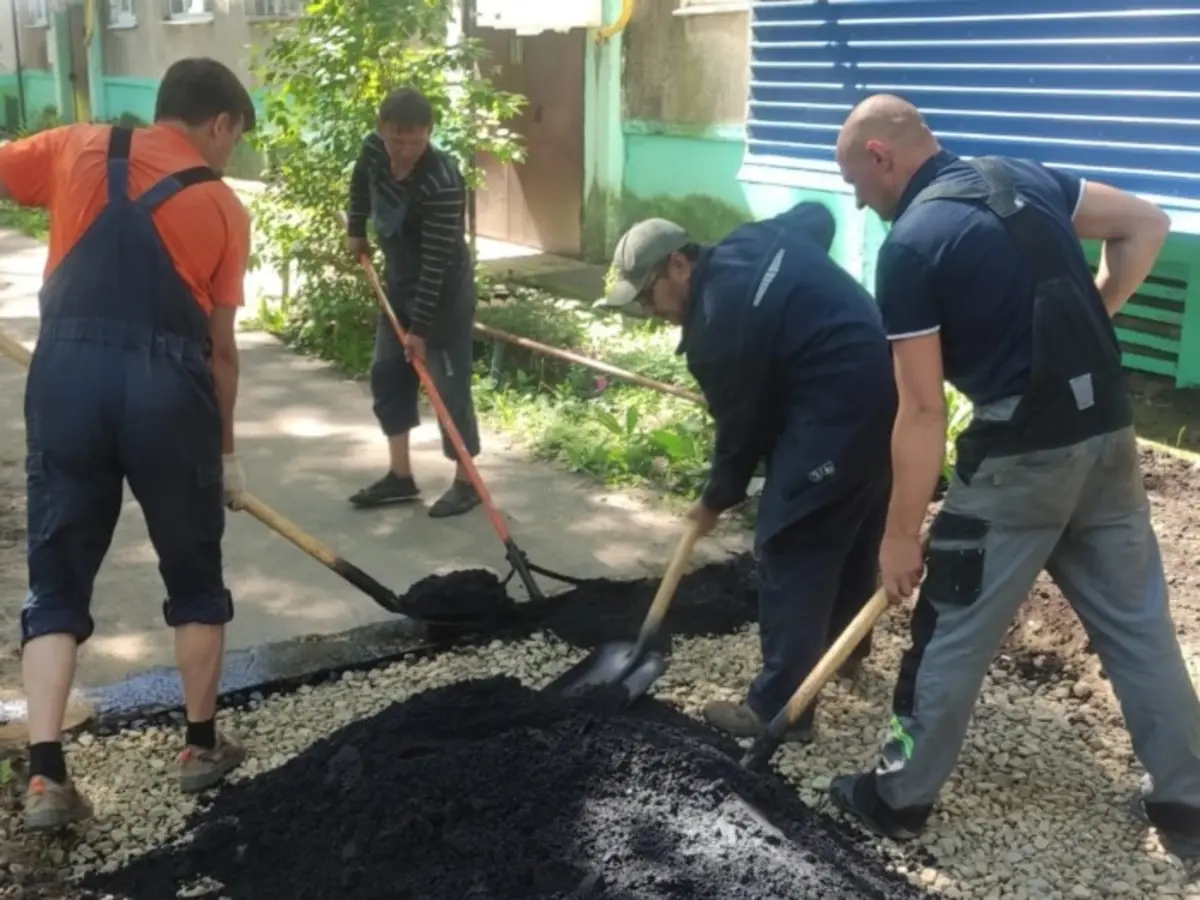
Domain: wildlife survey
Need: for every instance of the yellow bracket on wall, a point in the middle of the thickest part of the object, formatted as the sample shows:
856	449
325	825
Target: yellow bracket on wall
607	32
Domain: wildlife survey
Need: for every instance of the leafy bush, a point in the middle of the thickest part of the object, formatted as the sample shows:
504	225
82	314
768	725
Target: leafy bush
329	71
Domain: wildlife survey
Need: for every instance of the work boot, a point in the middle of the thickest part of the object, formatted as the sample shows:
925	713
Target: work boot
391	488
201	767
739	720
1186	850
857	797
50	805
460	498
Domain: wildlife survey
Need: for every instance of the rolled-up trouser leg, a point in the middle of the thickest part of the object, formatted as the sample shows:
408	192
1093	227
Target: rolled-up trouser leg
986	548
73	484
449	365
171	452
800	571
394	383
1109	567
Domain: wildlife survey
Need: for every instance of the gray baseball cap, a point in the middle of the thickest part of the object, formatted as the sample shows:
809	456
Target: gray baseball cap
640	249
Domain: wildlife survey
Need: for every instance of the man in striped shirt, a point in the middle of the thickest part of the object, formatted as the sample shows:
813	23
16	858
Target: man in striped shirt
415	197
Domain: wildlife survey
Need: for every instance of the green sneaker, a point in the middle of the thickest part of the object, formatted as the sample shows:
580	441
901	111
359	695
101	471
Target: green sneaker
201	768
50	805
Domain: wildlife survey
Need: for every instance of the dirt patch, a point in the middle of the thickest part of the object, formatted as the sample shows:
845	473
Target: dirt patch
1048	637
407	804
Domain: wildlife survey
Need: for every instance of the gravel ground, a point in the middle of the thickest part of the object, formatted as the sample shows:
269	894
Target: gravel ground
1038	807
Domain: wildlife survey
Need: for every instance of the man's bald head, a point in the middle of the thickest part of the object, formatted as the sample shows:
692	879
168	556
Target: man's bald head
882	143
886	118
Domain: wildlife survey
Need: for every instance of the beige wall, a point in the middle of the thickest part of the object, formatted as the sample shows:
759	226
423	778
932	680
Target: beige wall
148	48
688	70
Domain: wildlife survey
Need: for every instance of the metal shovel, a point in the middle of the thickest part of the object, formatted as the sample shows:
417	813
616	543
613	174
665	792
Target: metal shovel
634	667
768	742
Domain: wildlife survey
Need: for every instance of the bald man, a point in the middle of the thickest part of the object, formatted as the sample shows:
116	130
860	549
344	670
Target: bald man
982	282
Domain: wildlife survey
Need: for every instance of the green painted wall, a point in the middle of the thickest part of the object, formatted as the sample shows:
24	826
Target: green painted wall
691	177
41	97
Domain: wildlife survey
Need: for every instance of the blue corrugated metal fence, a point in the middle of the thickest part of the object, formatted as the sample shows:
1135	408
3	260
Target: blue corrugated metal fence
1108	89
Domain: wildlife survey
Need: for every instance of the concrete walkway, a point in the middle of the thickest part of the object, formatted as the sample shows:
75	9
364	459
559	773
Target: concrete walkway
308	440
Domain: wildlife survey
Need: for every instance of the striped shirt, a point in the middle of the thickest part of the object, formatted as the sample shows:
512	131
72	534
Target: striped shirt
437	195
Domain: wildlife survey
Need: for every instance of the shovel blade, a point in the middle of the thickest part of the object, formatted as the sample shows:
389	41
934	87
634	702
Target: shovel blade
611	666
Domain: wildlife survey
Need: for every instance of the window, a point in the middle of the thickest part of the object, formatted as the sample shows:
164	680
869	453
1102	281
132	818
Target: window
1071	83
189	10
275	9
120	14
37	13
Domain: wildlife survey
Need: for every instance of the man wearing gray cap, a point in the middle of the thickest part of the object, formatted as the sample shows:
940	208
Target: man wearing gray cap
792	357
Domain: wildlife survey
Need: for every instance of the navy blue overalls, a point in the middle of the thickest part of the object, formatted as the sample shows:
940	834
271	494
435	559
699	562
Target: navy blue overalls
120	388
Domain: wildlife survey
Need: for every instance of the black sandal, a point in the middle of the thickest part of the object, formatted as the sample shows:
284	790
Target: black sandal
391	488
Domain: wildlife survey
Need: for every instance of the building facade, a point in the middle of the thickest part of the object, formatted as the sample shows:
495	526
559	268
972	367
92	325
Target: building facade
713	112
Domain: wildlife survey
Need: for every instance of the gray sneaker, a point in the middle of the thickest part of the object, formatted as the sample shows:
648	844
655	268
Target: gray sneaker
201	768
740	721
50	805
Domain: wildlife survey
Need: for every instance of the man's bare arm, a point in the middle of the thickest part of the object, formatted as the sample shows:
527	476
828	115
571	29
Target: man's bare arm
919	435
225	369
1133	231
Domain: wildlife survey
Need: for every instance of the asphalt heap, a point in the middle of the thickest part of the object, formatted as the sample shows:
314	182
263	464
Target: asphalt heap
486	790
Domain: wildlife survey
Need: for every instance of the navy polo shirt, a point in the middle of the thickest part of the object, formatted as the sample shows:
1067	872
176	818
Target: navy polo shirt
950	267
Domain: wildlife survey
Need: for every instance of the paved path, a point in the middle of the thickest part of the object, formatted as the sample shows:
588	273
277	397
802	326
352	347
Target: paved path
308	440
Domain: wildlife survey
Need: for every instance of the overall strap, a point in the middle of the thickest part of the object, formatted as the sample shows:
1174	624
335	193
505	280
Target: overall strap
1027	226
120	139
164	190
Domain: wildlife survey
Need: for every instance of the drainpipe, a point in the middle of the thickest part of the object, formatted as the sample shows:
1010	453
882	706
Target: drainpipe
94	43
607	32
16	30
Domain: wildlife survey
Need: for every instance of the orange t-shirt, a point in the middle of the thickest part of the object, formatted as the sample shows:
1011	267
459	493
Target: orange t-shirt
205	228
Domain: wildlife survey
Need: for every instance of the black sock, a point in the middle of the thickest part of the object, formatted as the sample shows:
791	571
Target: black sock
46	759
202	734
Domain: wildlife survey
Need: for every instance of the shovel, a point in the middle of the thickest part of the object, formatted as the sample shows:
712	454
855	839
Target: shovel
521	566
768	742
634	667
388	599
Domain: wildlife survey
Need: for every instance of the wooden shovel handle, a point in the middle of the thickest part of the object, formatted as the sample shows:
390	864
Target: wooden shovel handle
833	659
670	582
14	350
286	528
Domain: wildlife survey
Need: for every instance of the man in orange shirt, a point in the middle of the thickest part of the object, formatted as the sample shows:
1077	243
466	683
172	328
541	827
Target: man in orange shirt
134	377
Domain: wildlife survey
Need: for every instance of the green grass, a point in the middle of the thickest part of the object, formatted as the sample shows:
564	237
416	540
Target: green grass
32	223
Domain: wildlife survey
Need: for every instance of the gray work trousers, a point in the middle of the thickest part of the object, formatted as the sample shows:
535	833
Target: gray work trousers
1081	513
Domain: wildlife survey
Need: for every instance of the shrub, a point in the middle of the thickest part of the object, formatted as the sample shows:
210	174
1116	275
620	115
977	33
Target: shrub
329	71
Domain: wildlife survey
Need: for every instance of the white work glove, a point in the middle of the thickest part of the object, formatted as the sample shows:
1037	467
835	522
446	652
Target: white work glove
234	479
